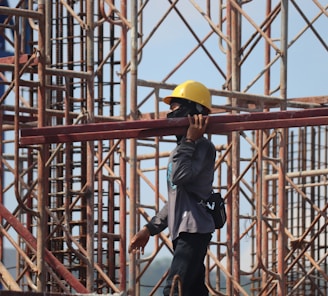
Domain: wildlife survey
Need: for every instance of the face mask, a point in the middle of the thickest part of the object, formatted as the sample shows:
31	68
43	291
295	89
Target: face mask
182	111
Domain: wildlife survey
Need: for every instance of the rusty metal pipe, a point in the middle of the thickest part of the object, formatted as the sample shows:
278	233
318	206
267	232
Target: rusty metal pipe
161	127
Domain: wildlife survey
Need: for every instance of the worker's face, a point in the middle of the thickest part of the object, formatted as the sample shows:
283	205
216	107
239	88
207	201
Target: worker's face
178	110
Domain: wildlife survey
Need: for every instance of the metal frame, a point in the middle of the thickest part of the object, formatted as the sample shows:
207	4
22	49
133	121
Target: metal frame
74	192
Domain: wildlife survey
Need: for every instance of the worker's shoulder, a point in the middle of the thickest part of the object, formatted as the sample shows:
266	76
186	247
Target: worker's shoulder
204	141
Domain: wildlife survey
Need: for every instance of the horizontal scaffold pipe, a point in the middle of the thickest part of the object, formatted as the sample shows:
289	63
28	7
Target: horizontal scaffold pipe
20	12
218	124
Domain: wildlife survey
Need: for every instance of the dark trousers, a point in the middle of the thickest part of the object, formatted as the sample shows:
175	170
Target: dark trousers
188	262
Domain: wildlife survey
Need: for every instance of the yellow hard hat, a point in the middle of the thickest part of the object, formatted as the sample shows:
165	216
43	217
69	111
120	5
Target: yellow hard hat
193	91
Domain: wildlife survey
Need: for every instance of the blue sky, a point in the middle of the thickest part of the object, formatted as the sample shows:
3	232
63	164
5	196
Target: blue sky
307	58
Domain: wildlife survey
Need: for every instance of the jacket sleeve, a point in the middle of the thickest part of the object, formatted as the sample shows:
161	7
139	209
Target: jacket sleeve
159	222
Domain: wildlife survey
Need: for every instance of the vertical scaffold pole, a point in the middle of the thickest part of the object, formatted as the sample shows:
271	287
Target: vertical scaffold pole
133	142
282	212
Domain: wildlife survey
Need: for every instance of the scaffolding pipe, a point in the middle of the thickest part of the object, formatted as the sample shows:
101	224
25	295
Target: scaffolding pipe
122	159
133	142
42	157
90	178
235	139
264	151
229	280
282	194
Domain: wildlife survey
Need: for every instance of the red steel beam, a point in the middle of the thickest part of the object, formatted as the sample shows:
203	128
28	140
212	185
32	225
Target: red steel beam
162	127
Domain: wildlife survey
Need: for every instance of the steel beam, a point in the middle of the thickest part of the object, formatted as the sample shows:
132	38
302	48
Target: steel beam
218	124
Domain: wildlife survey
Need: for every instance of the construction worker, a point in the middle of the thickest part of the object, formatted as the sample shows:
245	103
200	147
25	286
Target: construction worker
189	177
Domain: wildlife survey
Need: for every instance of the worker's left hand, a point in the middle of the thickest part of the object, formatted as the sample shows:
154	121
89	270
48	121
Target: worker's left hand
139	241
197	126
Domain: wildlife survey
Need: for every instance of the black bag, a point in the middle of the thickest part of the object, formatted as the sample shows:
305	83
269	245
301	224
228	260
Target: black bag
216	207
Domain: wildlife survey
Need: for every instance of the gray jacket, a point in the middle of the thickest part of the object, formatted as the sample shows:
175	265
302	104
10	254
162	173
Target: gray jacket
189	177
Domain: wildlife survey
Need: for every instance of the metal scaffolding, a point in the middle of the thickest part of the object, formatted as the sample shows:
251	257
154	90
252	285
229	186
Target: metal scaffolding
84	144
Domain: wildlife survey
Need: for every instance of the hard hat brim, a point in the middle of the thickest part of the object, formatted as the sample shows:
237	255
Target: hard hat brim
167	100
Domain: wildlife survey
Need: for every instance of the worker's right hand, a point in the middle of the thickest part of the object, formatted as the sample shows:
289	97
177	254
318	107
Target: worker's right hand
139	241
197	126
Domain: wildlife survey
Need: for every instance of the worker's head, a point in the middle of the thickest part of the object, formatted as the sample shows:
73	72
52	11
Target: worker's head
190	97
